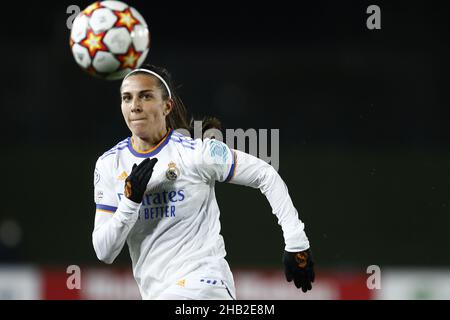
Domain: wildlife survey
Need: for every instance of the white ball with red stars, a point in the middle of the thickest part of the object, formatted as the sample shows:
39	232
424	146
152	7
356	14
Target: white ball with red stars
109	39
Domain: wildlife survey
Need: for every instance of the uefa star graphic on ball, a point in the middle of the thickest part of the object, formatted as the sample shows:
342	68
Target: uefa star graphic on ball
109	39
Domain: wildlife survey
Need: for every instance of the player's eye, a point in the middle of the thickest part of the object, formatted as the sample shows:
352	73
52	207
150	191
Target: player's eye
147	96
126	98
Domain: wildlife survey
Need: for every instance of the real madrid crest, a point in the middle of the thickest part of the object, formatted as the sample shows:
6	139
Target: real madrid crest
172	171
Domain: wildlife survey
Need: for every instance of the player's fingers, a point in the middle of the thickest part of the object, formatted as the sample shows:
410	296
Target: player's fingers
298	282
147	174
153	162
306	285
288	276
141	168
132	173
149	167
144	163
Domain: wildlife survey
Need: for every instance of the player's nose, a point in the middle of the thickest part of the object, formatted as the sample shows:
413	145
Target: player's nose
136	105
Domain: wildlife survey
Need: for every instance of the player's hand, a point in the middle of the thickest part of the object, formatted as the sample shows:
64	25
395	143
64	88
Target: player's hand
299	266
136	182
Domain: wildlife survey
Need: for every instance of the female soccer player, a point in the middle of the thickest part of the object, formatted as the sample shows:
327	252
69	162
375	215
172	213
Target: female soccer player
155	191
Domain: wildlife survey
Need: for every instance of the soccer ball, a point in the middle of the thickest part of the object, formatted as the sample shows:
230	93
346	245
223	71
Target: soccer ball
109	39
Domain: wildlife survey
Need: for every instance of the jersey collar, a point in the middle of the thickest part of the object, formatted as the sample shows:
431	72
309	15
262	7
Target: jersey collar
150	152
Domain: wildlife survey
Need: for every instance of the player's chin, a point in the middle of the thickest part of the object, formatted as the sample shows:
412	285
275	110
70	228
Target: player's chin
138	129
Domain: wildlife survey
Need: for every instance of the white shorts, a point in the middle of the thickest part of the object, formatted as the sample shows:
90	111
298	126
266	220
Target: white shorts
196	287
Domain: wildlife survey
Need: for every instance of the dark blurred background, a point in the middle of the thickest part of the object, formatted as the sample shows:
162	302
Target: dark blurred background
363	119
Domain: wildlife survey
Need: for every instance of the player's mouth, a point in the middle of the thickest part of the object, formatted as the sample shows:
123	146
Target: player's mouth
137	120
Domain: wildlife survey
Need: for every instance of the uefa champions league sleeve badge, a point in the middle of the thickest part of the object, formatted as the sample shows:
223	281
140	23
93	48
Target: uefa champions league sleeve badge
172	172
218	152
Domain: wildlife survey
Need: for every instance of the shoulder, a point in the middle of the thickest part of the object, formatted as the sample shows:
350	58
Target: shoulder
215	161
119	146
184	141
186	147
216	151
198	147
109	157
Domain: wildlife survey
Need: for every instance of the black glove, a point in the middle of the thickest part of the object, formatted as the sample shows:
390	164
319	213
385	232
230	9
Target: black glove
136	182
299	266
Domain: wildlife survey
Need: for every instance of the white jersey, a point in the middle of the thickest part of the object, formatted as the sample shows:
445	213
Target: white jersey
175	231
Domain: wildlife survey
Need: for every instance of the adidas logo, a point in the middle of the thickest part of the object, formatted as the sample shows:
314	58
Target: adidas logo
181	283
122	176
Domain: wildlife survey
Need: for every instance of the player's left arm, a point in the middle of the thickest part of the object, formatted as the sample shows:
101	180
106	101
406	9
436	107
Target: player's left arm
251	171
220	163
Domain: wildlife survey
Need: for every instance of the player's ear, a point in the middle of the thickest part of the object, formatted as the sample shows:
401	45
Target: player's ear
168	106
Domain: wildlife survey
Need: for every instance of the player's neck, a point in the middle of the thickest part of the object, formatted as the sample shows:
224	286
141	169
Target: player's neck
147	143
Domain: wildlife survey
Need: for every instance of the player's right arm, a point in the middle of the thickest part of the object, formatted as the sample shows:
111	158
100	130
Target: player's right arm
113	218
